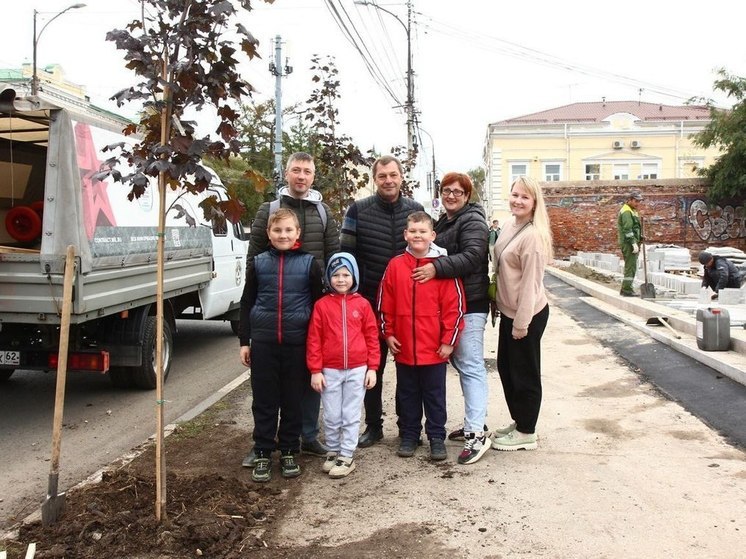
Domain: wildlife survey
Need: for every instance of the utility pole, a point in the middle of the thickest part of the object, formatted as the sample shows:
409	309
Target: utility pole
277	70
410	85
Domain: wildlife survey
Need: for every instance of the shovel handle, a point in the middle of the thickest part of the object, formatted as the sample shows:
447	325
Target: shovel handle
59	395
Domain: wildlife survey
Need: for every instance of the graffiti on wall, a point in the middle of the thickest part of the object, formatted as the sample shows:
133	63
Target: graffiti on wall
715	223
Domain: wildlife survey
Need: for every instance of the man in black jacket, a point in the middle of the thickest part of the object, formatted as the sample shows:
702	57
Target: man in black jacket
719	272
373	232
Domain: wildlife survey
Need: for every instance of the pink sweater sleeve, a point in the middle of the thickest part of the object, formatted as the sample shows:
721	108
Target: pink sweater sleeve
521	281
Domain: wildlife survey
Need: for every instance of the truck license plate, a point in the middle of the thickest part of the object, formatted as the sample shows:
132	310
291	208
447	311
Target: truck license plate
10	357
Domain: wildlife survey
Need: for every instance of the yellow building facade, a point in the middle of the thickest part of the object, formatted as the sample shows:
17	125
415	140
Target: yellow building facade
606	141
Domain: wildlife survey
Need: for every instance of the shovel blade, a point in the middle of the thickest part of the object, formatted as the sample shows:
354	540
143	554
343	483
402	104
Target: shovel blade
52	509
647	291
54	506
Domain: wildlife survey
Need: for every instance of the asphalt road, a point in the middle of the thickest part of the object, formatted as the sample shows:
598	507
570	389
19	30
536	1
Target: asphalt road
100	422
715	399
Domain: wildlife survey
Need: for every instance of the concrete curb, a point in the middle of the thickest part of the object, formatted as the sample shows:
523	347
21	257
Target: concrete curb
722	363
645	308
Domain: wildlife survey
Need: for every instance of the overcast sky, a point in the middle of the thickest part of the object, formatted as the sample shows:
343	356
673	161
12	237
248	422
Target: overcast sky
475	61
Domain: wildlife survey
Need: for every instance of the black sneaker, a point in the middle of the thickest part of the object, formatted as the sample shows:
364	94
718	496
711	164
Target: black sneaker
370	437
458	434
407	448
288	466
438	449
316	448
262	470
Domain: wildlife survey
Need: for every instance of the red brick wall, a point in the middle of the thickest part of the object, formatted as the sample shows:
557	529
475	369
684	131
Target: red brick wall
675	211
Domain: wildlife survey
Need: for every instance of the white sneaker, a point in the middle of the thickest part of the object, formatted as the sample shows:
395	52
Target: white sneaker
342	467
515	440
474	448
331	459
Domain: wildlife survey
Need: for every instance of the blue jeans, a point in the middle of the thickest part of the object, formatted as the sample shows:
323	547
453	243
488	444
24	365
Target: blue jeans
468	360
310	407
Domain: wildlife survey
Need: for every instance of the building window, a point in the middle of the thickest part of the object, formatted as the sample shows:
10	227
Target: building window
621	171
593	172
518	170
552	172
648	171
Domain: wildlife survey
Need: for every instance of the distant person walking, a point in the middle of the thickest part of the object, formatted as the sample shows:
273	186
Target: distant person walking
372	231
719	273
492	237
629	233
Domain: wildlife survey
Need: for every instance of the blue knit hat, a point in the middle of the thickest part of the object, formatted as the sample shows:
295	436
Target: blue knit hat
343	260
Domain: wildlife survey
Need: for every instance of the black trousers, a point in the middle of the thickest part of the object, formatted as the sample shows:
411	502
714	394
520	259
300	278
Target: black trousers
519	365
417	388
373	400
278	377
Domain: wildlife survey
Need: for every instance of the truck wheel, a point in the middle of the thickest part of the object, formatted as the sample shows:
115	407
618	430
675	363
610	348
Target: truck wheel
5	374
121	377
144	376
234	326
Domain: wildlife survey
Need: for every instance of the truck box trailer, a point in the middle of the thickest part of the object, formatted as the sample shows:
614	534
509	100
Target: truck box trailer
50	197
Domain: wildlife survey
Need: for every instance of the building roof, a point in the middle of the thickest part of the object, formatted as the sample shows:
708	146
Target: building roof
11	74
598	111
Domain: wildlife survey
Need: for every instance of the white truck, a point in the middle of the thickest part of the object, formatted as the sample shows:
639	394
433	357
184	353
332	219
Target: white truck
50	198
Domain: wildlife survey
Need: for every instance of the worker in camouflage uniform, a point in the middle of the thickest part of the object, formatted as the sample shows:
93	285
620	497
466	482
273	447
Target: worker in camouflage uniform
630	236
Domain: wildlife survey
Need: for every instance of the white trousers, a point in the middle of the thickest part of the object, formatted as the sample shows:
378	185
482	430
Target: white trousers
342	399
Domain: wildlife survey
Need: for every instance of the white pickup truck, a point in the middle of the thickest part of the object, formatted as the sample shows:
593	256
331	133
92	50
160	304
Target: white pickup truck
49	199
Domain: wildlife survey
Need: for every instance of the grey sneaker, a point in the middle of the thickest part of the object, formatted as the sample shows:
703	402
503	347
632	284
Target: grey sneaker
474	448
331	459
515	440
438	449
342	468
250	459
262	470
316	448
288	466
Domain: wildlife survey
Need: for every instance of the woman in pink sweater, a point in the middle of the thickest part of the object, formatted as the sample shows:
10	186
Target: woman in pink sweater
520	255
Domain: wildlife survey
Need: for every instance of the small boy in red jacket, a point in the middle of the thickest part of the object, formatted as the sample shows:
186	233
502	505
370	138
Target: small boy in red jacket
421	323
342	354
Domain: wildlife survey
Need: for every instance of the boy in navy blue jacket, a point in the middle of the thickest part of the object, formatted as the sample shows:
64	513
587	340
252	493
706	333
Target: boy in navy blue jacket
276	305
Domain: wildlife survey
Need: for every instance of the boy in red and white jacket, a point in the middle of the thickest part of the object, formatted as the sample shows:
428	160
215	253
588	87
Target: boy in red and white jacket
342	354
421	323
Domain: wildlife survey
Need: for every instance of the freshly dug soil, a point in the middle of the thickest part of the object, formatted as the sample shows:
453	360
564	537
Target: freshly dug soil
213	508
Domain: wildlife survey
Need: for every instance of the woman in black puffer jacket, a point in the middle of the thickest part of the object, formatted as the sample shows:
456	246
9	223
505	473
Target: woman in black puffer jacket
463	232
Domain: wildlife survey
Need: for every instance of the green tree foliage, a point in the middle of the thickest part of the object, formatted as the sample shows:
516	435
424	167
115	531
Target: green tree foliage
341	168
257	136
243	183
727	131
184	62
477	176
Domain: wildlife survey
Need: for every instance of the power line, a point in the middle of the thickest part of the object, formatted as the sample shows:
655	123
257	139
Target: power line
356	40
515	50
